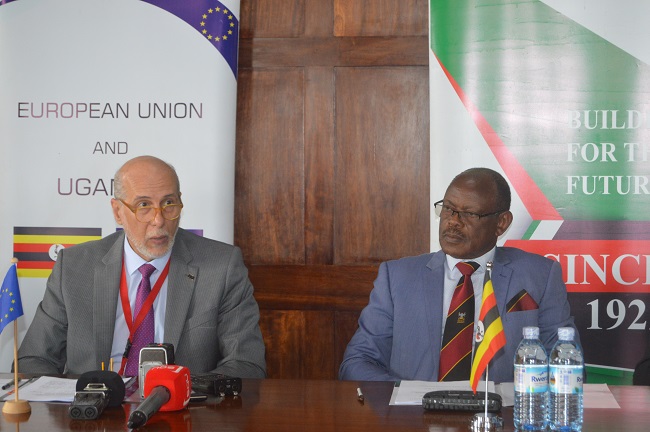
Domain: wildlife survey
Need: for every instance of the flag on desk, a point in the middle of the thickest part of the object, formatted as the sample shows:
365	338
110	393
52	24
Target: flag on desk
490	336
11	307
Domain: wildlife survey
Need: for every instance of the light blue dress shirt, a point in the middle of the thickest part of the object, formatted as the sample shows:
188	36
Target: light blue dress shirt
132	262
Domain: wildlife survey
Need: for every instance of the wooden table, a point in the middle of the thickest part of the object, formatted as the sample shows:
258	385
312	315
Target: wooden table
302	405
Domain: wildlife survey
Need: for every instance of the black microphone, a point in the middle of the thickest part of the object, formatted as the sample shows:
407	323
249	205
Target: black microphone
151	405
95	390
167	388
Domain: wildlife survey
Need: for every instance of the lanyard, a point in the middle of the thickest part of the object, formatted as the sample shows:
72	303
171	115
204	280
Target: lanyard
144	310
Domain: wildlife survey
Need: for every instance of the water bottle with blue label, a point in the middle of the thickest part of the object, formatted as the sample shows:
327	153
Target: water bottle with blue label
566	373
531	382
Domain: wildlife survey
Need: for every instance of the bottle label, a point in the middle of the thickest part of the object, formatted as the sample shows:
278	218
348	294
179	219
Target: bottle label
531	378
566	379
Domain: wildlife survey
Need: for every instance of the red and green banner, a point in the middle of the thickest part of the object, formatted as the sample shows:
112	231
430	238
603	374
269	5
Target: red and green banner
554	94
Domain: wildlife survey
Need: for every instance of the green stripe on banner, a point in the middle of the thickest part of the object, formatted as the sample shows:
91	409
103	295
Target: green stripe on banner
531	229
613	376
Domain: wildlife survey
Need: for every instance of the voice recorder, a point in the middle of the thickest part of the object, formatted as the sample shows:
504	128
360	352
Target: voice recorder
152	355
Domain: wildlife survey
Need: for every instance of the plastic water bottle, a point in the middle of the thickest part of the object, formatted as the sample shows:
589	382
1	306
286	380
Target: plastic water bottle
531	382
566	372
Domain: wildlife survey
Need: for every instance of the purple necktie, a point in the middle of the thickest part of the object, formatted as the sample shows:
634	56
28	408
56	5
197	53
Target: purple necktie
145	332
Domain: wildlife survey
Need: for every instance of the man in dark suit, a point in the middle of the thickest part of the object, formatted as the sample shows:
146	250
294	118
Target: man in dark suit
203	301
400	334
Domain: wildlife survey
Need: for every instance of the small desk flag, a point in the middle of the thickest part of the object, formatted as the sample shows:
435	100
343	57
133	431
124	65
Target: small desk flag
11	307
490	337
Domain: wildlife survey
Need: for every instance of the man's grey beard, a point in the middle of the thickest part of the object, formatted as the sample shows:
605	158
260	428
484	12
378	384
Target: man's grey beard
142	250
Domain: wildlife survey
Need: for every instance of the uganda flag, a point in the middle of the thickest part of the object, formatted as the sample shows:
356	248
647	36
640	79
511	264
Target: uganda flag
490	336
37	248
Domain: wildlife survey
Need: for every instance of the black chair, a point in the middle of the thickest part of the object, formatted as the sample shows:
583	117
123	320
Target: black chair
642	370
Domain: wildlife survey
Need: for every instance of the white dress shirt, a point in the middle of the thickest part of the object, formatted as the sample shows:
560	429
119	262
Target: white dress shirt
452	276
132	262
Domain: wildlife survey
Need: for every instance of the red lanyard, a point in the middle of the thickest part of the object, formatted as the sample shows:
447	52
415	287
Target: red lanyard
126	307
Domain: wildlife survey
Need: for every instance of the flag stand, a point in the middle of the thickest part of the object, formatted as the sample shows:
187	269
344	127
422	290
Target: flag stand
486	422
16	406
490	338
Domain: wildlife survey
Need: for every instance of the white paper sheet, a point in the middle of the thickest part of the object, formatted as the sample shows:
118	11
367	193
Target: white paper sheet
411	392
598	396
594	395
49	389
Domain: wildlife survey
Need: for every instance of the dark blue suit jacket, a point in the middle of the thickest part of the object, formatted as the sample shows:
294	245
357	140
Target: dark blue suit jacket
400	331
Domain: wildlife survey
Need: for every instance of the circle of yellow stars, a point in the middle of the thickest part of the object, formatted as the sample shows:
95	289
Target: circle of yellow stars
222	37
11	309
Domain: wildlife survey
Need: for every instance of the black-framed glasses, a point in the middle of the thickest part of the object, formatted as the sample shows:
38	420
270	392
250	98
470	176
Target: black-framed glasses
147	213
442	209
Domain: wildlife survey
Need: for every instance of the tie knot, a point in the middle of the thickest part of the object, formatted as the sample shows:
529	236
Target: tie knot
146	270
467	267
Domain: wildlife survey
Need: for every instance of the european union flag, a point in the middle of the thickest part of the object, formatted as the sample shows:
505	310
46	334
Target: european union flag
216	22
11	307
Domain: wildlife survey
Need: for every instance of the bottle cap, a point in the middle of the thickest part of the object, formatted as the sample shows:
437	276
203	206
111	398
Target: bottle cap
531	332
566	333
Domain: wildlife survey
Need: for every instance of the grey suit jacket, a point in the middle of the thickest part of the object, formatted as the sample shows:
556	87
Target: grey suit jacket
212	318
400	331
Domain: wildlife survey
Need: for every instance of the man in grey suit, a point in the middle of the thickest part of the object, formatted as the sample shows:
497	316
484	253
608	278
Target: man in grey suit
400	334
203	301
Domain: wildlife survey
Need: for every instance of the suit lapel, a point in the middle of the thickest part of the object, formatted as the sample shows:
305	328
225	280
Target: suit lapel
106	295
501	275
180	287
434	280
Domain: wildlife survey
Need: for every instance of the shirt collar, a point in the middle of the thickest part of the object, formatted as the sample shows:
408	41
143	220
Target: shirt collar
482	260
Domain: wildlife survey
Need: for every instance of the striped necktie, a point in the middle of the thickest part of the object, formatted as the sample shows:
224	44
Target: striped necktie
456	352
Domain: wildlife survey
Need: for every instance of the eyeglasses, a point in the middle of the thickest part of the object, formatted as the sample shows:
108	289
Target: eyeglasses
147	213
442	209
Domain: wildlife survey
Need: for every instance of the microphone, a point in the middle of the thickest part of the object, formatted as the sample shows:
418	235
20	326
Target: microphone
167	388
95	390
152	355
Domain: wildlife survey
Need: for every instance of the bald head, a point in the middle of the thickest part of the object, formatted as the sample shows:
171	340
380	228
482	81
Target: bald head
141	166
501	191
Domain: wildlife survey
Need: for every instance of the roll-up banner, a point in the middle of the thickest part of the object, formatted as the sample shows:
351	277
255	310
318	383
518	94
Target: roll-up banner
554	95
87	85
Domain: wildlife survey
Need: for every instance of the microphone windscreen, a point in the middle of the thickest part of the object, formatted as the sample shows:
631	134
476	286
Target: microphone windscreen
176	379
112	380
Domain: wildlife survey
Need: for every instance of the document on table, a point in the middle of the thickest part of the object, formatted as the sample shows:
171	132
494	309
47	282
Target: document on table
8	388
594	395
50	389
598	396
411	392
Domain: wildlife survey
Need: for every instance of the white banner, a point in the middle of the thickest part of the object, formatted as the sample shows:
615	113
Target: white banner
87	85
